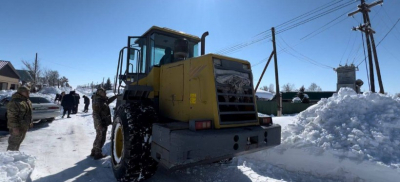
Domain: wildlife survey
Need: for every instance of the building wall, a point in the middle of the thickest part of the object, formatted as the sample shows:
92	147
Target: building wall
6	82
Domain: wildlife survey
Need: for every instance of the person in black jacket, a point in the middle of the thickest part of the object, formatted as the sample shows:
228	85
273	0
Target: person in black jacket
76	98
87	102
68	103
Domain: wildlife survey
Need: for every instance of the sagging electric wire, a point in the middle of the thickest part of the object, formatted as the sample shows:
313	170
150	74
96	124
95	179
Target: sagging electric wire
242	45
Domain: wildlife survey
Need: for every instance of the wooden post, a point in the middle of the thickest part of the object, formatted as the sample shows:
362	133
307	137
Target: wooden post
265	68
277	93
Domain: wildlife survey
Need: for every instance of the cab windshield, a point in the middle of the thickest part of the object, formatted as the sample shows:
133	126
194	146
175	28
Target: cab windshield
167	49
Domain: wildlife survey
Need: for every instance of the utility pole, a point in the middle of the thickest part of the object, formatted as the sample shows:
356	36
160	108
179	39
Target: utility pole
277	93
364	8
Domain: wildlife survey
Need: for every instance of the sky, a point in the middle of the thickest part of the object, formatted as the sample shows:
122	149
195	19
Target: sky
82	39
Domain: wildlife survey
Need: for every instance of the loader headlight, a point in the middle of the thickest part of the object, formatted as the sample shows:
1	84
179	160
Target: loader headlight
217	62
246	66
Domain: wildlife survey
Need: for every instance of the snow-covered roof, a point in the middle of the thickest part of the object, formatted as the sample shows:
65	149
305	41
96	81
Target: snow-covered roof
262	94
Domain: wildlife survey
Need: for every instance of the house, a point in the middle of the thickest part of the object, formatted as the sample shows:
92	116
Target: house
9	78
25	76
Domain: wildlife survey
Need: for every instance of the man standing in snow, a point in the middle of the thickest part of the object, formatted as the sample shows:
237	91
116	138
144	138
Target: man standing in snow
87	102
19	117
101	119
68	103
76	98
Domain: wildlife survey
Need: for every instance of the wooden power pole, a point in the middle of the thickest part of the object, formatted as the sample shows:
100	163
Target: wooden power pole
277	93
364	8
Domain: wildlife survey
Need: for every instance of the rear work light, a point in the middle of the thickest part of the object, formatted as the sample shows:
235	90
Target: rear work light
265	121
199	124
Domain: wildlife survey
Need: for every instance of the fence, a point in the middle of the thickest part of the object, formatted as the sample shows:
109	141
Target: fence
271	107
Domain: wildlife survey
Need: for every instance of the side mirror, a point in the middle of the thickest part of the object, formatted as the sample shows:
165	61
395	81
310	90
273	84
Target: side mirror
132	54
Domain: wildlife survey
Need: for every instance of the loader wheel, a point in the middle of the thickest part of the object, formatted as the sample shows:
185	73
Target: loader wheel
131	142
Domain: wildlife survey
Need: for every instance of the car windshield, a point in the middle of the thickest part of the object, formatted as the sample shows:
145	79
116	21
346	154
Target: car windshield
38	100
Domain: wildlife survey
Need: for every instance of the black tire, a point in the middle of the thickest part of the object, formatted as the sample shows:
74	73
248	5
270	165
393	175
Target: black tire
50	120
133	122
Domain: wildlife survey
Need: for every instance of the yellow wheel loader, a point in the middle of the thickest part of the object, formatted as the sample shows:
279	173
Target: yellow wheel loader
176	108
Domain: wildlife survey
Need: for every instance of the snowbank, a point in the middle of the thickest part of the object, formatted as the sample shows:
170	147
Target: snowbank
15	166
55	90
347	137
48	92
359	127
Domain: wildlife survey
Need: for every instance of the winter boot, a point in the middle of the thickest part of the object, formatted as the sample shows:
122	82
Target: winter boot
98	156
62	116
92	154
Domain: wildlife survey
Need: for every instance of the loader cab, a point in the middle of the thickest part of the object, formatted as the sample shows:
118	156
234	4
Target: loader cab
155	48
159	46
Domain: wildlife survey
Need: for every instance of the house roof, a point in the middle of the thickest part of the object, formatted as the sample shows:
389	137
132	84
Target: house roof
264	94
24	75
3	64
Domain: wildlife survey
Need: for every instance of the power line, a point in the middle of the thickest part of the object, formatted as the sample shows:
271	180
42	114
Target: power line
365	59
333	20
306	14
387	14
385	35
248	43
316	16
351	50
345	50
305	57
388	32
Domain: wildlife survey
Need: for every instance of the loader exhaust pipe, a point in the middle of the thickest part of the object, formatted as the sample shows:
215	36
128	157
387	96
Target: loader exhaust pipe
203	43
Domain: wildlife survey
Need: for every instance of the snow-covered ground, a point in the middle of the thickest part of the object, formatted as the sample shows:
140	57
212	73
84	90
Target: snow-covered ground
15	166
348	137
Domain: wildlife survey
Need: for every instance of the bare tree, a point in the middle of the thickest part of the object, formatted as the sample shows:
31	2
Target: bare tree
53	79
63	80
50	77
314	87
34	70
288	87
265	88
271	88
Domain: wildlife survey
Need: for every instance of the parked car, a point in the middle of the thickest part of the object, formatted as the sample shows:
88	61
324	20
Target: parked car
43	110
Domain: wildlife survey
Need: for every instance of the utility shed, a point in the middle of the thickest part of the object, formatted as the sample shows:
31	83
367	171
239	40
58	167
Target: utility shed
346	76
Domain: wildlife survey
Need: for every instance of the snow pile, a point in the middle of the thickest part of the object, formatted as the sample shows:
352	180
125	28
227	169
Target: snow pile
15	166
359	127
86	91
54	90
6	93
296	100
49	92
347	137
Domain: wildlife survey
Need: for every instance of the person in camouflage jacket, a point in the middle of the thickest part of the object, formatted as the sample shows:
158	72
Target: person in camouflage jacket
101	118
19	117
